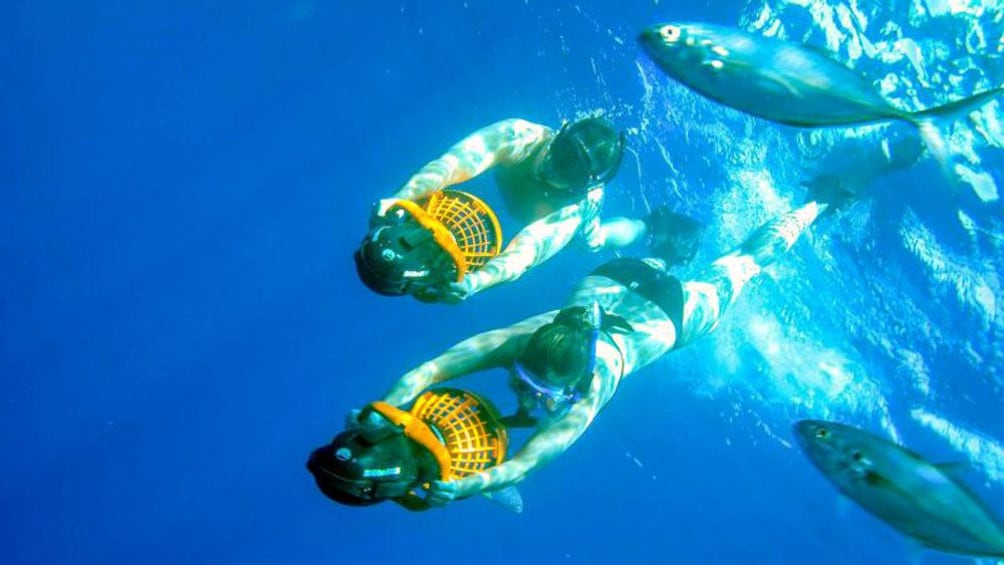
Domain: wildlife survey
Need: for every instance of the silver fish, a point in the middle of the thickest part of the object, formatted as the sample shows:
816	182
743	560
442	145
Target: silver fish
921	500
782	81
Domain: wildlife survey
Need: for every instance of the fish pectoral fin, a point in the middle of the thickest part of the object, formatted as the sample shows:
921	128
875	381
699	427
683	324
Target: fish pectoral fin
876	480
883	483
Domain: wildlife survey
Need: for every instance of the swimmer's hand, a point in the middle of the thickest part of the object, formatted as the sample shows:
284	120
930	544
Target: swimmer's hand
473	283
449	293
382	206
352	419
361	418
442	493
457	292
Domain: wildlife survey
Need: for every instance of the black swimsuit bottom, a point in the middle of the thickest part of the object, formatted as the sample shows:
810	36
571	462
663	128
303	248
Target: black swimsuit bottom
655	285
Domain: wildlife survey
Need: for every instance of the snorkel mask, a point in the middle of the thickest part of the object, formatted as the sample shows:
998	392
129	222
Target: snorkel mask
581	155
554	397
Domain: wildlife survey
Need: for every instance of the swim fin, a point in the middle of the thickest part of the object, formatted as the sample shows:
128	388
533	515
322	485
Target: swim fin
508	498
674	238
520	419
829	189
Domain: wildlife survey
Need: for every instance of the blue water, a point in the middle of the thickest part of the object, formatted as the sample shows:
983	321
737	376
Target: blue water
180	322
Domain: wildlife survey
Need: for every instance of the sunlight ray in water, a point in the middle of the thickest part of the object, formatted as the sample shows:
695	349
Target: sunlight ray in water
985	452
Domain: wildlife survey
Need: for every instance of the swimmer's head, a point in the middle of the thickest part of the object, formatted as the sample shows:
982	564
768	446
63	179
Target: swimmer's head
559	357
581	155
367	465
399	254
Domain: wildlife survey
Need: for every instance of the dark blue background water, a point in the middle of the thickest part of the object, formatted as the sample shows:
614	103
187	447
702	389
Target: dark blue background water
182	188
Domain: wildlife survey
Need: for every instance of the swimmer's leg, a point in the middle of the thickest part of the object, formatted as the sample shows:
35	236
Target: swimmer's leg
618	232
708	296
776	237
672	237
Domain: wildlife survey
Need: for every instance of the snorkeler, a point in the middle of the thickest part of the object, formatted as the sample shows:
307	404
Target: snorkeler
857	161
551	181
565	365
386	453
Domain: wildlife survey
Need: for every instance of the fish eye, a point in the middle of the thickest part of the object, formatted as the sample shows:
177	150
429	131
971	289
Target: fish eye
670	33
822	433
857	456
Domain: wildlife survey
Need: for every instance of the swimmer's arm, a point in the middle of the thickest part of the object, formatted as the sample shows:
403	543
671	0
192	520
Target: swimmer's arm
550	441
507	141
545	445
495	348
535	244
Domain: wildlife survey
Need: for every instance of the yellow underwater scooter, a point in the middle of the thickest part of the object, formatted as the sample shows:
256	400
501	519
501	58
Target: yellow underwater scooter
434	240
448	434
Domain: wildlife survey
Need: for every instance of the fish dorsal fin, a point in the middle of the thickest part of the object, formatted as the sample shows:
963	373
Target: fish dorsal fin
954	469
820	50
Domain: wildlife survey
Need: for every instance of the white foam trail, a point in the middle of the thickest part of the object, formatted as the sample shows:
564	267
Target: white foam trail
802	372
985	452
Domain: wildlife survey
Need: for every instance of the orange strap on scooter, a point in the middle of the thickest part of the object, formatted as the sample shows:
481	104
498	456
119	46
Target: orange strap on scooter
418	431
463	225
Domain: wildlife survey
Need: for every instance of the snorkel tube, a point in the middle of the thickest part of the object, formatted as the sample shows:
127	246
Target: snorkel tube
587	320
594	317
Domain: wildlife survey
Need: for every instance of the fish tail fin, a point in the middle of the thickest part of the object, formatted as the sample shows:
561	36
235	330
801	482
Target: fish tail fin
954	109
926	123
